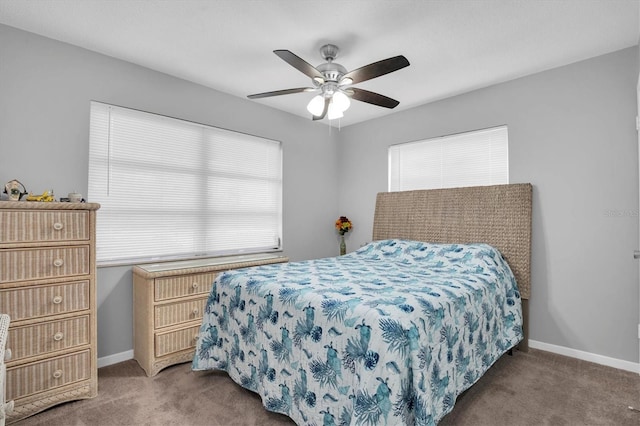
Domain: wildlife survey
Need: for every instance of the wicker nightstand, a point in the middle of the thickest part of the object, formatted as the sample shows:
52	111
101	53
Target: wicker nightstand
168	303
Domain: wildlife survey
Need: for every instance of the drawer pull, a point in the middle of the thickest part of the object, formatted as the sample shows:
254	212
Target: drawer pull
195	311
7	355
195	338
195	286
8	407
57	374
57	300
58	336
58	263
58	226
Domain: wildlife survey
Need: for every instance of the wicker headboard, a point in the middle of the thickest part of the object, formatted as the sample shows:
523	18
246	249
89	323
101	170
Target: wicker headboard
499	215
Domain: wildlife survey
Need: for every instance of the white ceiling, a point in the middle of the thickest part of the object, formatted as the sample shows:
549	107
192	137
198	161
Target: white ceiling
454	46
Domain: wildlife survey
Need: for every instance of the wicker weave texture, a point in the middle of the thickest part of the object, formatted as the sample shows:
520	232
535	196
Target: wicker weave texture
42	263
36	403
47	337
36	205
176	341
40	376
499	215
32	302
214	267
179	312
39	226
181	286
4	327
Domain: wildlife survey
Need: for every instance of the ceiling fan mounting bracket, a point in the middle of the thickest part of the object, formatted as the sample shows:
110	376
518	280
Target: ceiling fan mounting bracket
329	52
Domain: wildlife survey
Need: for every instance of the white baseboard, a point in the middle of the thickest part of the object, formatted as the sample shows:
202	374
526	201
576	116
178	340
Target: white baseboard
115	358
586	356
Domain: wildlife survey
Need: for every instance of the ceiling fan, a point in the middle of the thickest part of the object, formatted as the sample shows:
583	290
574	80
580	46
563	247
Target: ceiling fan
333	82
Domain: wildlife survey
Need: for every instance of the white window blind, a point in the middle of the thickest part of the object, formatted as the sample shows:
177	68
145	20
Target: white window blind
173	189
466	159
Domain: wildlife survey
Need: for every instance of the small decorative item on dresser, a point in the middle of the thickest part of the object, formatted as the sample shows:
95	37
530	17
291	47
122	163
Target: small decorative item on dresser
15	190
75	197
47	196
343	225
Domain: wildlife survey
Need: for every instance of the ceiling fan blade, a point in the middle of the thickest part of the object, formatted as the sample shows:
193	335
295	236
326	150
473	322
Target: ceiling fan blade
376	69
281	92
324	110
371	97
300	64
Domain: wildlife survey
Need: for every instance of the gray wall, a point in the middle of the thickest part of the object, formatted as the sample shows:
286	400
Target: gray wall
45	89
572	135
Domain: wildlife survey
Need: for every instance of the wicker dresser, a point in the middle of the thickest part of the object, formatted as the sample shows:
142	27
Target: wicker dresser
48	288
168	303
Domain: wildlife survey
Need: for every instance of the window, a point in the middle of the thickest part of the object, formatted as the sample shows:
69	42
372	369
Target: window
172	189
466	159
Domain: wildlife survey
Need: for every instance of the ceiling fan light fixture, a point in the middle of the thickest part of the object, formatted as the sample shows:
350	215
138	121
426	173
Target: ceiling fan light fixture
334	112
340	101
318	81
316	105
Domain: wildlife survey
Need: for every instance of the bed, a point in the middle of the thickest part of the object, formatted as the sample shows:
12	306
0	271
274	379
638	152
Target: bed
391	333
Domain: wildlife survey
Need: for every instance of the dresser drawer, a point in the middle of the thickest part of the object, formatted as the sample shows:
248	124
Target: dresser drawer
188	285
40	263
176	341
43	300
40	226
36	339
48	374
179	312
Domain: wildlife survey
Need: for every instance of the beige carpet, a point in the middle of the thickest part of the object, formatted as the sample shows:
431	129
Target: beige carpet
534	388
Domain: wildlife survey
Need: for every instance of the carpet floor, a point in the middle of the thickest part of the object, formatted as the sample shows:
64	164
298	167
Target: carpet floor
534	388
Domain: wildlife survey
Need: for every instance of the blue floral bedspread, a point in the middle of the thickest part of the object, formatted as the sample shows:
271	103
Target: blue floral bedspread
390	334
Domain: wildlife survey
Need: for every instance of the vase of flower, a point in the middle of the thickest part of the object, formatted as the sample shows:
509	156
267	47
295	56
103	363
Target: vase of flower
343	225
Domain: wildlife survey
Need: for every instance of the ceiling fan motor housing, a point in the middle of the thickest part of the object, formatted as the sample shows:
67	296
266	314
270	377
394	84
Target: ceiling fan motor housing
330	70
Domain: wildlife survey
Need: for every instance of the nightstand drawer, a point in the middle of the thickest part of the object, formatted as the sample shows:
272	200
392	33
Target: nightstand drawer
38	301
52	262
39	226
51	373
188	285
179	312
36	339
176	341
